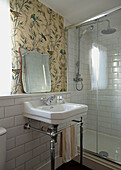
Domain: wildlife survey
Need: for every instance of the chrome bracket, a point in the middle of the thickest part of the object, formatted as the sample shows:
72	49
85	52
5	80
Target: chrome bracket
80	123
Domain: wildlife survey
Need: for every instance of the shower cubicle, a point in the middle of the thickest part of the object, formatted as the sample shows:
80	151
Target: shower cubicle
94	78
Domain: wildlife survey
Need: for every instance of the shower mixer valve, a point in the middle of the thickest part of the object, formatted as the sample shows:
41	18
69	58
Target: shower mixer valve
77	79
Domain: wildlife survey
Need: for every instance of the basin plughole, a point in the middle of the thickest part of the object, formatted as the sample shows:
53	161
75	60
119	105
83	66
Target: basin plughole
54	114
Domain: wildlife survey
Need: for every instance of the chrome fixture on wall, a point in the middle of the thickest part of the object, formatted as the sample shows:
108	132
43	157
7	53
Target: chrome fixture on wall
47	101
109	30
78	78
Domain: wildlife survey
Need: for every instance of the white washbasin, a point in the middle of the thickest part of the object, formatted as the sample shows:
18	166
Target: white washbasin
54	114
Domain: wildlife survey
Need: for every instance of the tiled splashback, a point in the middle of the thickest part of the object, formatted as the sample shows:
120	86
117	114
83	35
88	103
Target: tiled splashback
26	149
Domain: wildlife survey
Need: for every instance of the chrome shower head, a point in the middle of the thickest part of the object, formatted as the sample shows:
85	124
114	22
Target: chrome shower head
109	30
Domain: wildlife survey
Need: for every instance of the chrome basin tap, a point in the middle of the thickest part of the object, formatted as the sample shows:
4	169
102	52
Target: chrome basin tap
48	101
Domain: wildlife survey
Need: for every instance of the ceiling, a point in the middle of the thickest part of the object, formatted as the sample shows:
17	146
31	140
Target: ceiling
76	11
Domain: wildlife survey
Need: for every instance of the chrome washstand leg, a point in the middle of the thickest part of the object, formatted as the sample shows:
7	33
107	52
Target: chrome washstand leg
53	135
52	151
80	123
52	145
81	142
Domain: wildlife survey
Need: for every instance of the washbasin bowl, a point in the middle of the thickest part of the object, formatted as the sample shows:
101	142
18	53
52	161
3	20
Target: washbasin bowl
54	114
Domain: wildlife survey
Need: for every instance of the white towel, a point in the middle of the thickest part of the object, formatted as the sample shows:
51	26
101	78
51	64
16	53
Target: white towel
68	143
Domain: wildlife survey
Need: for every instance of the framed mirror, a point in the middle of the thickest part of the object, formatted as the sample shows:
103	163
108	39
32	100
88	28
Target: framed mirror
35	71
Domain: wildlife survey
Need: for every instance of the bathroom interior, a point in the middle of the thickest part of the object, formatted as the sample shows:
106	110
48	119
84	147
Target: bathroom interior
84	56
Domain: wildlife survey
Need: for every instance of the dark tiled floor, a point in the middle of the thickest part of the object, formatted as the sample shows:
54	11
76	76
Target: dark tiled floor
72	165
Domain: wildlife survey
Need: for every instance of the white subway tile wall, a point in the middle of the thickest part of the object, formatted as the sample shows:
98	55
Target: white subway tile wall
78	96
26	149
104	105
109	107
